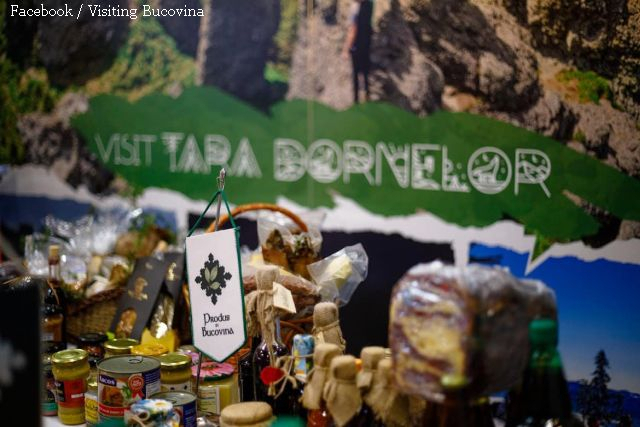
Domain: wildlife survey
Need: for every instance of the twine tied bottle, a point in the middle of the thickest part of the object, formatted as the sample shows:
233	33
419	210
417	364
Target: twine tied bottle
326	325
316	379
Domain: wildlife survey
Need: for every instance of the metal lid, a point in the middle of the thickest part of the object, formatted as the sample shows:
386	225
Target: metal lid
92	338
128	364
66	357
246	413
120	345
151	349
174	361
177	398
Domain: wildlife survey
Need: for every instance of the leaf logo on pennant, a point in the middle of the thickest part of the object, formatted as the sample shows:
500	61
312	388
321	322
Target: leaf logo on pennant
213	278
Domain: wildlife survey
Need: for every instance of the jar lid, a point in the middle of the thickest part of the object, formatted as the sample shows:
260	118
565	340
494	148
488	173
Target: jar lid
174	361
92	338
51	309
212	371
151	349
50	347
246	413
65	357
120	344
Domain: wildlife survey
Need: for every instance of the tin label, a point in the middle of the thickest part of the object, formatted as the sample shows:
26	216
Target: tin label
184	386
116	393
209	399
91	408
48	393
187	413
71	393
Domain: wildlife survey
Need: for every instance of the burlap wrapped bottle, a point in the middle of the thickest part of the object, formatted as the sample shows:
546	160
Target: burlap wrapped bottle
326	325
260	313
341	394
322	356
388	404
370	357
246	414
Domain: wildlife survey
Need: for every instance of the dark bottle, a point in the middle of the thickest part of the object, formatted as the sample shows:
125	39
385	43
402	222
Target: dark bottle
54	295
457	409
543	397
261	360
365	418
245	373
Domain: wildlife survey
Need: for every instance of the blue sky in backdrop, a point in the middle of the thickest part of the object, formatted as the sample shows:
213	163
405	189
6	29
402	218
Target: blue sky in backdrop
598	304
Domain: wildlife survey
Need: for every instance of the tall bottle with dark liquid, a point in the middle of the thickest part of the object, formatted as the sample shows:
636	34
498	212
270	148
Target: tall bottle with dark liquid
245	373
543	397
262	357
53	294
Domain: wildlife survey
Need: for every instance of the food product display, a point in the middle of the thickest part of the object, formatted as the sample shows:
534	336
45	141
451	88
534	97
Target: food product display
438	313
70	370
456	335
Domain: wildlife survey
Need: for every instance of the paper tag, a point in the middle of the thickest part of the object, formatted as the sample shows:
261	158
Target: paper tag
283	299
215	291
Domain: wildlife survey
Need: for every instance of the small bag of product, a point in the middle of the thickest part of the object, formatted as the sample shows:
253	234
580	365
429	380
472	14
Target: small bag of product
339	274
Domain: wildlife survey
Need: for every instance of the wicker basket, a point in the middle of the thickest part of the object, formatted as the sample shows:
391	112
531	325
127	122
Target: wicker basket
289	328
93	314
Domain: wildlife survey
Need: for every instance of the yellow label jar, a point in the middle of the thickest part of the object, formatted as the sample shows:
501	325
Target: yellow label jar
175	372
91	403
70	370
153	350
119	347
218	387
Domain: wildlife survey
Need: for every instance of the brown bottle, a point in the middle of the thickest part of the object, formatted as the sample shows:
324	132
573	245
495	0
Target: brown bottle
54	295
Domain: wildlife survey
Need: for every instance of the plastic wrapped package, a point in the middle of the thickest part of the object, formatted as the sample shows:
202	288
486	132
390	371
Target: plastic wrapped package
339	274
470	322
288	247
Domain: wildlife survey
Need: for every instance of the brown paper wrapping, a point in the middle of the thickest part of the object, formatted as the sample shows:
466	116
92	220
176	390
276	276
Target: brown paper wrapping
322	356
370	357
386	401
326	325
341	393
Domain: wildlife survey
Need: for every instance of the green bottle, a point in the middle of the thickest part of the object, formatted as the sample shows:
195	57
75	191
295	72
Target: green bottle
543	397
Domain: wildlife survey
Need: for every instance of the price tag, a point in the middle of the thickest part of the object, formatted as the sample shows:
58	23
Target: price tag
283	299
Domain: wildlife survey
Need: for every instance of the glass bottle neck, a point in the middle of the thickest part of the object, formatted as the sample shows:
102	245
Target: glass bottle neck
54	271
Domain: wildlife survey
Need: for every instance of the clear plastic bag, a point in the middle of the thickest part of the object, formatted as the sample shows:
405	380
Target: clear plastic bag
469	323
339	274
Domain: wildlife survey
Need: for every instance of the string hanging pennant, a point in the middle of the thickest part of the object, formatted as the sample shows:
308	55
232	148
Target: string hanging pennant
216	292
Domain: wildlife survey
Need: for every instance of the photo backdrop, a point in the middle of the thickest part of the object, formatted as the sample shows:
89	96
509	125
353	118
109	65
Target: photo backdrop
502	132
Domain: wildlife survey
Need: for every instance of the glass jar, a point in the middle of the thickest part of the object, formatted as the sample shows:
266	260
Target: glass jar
91	402
218	387
93	343
153	349
52	319
175	372
119	347
48	391
71	370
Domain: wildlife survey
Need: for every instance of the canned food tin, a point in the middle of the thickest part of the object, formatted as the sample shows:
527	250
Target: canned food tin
184	403
123	380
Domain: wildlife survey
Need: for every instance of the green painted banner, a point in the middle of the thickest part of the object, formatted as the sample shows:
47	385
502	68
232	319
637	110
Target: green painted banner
467	169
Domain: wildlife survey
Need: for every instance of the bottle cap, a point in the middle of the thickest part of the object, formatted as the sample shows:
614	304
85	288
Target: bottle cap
543	332
54	251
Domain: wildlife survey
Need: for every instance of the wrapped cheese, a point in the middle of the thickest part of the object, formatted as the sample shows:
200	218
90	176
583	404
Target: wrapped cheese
470	321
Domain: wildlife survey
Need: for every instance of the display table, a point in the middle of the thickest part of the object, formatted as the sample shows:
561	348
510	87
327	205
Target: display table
55	422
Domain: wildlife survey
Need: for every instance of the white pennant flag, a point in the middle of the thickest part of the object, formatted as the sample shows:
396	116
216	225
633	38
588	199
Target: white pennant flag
216	294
